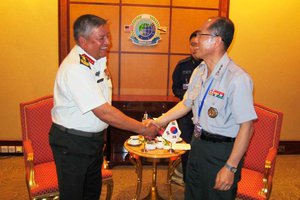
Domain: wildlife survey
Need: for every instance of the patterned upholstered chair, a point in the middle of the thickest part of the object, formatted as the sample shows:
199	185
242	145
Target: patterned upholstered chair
259	163
41	177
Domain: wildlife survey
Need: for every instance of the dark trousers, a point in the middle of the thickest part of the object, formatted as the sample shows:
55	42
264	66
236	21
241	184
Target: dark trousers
78	164
187	129
205	160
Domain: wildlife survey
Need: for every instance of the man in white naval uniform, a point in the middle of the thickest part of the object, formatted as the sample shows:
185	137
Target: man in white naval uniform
82	111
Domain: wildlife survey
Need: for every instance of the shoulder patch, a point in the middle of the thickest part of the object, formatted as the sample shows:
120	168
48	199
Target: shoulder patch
84	61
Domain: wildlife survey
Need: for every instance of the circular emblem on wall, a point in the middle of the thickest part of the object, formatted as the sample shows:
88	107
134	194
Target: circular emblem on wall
144	30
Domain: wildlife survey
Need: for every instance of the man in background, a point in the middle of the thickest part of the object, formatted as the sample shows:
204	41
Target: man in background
181	77
82	111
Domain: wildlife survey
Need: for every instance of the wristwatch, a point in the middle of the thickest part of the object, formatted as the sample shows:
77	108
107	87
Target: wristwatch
232	169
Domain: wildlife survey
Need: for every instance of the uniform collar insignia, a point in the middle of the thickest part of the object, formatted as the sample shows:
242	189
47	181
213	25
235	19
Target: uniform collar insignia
89	59
223	62
84	61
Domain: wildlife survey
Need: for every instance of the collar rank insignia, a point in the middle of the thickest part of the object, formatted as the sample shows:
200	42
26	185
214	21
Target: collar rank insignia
84	61
89	59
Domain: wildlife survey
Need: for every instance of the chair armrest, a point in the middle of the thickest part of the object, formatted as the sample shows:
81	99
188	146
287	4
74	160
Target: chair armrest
270	157
28	154
267	179
28	150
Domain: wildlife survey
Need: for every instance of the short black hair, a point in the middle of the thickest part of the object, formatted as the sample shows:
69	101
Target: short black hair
84	25
224	28
194	34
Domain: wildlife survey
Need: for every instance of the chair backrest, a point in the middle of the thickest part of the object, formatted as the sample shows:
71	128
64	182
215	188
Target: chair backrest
266	135
36	122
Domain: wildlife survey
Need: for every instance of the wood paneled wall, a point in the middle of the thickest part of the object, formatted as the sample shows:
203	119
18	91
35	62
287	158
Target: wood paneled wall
141	70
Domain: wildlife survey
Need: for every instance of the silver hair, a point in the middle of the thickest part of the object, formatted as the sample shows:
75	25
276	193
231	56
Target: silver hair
84	25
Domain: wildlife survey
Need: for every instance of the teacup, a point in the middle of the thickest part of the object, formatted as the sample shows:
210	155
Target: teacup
150	145
134	139
160	145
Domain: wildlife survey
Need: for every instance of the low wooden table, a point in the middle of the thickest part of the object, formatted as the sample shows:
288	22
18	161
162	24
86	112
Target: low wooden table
155	156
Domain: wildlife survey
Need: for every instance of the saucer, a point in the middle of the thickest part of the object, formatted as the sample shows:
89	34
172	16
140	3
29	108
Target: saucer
139	143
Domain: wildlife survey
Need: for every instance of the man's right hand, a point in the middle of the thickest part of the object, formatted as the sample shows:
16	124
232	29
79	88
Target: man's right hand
150	131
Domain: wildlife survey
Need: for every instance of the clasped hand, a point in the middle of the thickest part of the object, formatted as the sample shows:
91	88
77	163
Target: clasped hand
152	128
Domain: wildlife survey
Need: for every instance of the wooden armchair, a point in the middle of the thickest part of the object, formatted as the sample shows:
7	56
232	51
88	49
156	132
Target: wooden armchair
259	163
41	176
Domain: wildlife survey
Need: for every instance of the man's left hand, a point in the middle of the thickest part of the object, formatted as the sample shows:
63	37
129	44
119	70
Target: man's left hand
224	179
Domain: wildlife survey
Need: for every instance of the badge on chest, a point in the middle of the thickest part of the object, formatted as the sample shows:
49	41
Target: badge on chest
212	112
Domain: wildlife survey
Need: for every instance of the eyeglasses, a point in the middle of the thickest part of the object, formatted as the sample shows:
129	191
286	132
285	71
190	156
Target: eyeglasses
207	34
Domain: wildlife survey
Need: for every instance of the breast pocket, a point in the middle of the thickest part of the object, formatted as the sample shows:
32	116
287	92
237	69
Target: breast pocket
219	102
214	106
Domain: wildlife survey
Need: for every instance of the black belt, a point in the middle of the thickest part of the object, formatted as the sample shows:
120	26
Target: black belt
215	137
77	132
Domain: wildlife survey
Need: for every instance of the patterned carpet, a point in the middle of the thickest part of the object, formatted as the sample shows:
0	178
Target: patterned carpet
12	185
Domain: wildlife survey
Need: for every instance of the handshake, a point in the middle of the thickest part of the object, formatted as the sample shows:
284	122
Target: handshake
151	129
